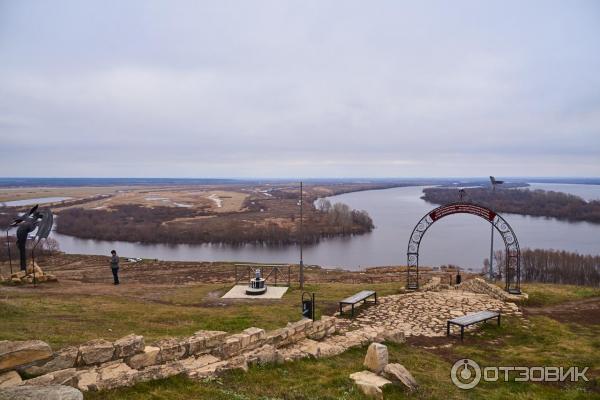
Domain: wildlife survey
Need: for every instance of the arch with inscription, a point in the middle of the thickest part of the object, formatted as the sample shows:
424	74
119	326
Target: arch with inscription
512	273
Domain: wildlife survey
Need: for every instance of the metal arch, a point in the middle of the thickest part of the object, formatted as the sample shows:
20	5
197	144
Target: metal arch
513	252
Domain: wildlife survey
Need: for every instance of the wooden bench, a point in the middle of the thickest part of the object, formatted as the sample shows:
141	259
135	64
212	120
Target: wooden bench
360	296
471	319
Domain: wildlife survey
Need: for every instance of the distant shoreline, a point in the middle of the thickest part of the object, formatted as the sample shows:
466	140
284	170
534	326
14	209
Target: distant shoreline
12	182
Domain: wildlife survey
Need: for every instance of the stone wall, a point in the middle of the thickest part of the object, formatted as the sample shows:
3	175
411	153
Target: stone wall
435	284
478	285
101	364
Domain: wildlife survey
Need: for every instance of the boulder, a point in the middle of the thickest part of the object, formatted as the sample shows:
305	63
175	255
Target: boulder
52	392
62	359
95	352
369	390
399	373
10	378
149	356
376	358
128	346
369	383
16	354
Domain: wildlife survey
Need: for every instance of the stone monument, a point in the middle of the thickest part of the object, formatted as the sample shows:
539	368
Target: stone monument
257	285
27	223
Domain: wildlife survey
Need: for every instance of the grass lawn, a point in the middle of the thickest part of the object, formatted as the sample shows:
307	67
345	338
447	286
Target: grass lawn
73	319
63	319
545	294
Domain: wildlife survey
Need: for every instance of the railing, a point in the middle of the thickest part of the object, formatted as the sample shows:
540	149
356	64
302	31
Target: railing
272	276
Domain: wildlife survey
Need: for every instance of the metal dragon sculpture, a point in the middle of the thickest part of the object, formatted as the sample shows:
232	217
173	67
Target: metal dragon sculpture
27	223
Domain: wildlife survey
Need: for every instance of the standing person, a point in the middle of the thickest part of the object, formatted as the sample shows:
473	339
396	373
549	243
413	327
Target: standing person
114	266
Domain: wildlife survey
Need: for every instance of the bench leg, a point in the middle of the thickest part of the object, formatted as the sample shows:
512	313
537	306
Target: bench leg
448	329
498	319
340	309
352	315
462	333
375	298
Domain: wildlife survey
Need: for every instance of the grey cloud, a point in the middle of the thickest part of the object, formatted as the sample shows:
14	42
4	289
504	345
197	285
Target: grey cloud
269	88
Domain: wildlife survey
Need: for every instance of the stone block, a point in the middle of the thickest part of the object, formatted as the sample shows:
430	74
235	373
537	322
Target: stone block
196	345
62	377
149	356
14	354
369	383
162	371
53	392
95	352
171	349
256	334
62	359
212	338
399	373
87	379
128	346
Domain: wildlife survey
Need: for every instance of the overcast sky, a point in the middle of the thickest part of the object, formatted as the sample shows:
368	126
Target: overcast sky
299	88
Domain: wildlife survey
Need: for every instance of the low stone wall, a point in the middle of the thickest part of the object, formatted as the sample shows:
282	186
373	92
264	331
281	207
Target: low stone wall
478	285
101	364
435	284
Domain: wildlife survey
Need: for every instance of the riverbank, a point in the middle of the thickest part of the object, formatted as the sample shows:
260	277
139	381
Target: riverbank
234	214
536	203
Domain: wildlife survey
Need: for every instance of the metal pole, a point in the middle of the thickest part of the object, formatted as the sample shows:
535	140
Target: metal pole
492	253
301	240
33	259
9	256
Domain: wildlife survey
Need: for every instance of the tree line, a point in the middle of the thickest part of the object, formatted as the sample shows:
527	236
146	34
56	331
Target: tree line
527	202
552	266
135	223
340	214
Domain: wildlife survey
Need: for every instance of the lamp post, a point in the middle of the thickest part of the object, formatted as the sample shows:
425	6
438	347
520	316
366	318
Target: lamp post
301	239
494	183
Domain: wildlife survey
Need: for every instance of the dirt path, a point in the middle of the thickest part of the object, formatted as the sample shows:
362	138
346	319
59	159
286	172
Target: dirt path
586	311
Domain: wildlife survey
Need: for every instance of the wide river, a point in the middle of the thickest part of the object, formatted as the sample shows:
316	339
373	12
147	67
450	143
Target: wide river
458	239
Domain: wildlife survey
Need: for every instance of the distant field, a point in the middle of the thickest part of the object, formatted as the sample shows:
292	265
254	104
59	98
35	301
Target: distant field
193	214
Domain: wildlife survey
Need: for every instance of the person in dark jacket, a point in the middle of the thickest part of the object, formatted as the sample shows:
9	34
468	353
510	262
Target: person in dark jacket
114	266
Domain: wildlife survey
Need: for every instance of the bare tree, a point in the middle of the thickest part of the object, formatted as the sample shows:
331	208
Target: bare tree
323	205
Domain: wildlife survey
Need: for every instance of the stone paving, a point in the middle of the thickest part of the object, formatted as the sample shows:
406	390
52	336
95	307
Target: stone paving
425	313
